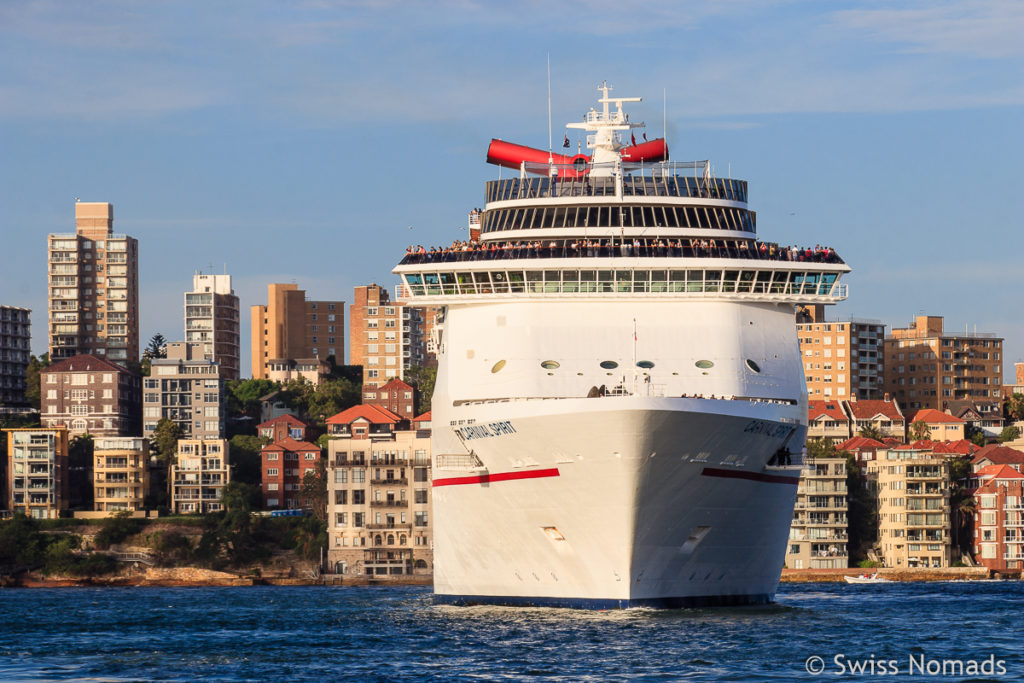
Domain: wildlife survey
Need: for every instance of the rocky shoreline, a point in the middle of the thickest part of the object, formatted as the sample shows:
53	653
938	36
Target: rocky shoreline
193	577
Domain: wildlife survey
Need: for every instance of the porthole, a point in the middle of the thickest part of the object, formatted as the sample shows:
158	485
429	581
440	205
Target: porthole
549	364
498	366
704	364
645	364
609	364
753	366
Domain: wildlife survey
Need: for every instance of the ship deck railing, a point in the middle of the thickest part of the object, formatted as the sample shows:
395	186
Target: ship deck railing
567	249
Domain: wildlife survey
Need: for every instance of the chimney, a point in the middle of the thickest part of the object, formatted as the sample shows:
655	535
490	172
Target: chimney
886	397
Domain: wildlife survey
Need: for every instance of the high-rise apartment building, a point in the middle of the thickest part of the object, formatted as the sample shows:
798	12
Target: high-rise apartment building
818	535
926	368
290	327
15	346
386	337
94	288
211	322
200	472
841	359
913	507
88	394
185	389
37	472
120	473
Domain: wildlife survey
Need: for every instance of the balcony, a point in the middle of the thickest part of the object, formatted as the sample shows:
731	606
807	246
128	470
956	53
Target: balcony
405	526
390	482
389	503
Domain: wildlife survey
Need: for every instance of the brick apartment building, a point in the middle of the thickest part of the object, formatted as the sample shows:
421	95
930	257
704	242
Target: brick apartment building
927	368
386	337
291	327
87	393
999	518
93	288
842	359
396	395
286	461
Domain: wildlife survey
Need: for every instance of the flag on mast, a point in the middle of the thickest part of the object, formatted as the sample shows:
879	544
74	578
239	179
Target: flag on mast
565	142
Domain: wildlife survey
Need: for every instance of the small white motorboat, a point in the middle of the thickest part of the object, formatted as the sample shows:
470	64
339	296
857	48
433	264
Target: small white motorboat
865	578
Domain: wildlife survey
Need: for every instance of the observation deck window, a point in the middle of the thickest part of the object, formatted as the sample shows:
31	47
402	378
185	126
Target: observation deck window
623	281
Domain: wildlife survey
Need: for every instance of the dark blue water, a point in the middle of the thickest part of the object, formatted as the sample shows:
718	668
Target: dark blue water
331	633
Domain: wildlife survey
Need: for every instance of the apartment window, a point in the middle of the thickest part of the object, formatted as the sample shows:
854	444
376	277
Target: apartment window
420	496
272	471
358	497
358	475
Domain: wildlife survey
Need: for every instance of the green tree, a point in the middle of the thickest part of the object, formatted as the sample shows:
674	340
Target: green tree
862	511
871	432
820	448
165	439
246	459
116	529
331	397
243	396
920	431
313	492
80	452
423	378
1009	433
961	503
21	542
156	348
33	391
1015	407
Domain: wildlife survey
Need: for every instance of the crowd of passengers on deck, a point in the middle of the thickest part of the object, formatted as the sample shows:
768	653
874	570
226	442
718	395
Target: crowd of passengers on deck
581	248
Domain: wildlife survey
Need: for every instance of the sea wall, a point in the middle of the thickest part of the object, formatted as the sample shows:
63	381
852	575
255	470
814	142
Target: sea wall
893	574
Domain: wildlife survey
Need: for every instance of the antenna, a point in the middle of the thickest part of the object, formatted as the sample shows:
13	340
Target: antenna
550	156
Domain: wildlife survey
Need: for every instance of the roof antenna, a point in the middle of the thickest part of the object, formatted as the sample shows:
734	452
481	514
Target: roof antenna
551	158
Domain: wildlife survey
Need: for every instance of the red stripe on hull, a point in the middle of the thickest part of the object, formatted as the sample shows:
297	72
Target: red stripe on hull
752	476
500	476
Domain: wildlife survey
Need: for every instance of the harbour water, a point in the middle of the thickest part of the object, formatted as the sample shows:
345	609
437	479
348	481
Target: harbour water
398	633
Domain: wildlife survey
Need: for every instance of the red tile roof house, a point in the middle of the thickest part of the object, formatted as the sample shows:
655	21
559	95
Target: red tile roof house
994	454
863	448
884	415
283	426
942	426
826	420
363	422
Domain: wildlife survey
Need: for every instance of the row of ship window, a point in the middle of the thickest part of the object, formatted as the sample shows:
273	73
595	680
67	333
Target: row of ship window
586	281
615	216
611	365
632	186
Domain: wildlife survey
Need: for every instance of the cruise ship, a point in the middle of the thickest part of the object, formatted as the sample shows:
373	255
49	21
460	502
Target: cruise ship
620	406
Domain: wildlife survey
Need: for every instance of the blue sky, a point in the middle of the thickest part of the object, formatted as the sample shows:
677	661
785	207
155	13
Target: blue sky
299	141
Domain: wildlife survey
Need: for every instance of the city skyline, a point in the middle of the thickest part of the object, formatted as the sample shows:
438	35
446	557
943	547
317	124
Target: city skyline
281	136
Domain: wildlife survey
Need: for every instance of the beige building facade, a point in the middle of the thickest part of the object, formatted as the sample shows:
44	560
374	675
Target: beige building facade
93	288
379	504
120	473
291	327
185	389
200	472
928	368
37	472
912	487
211	322
819	534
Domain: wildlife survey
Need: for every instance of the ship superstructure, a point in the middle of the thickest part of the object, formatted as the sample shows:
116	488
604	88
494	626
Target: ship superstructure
620	404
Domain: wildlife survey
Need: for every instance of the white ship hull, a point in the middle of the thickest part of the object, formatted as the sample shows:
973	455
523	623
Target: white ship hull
613	500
